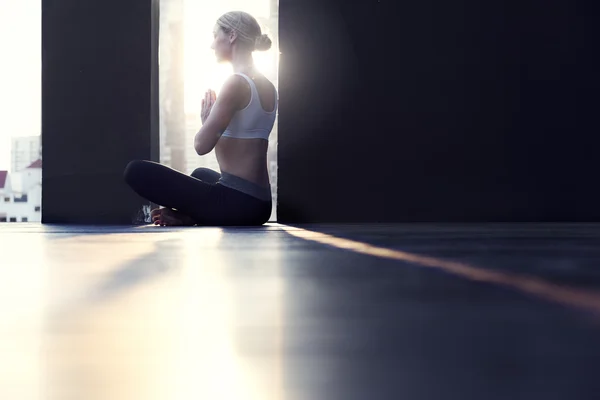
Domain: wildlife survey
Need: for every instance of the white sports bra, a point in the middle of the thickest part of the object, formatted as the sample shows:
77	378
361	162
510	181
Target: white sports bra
252	122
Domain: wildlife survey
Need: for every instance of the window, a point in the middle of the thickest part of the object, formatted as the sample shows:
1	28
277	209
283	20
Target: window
13	219
24	219
188	67
37	208
7	199
21	199
2	219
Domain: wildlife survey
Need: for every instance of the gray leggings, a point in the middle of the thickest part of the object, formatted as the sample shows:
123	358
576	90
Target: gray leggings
208	197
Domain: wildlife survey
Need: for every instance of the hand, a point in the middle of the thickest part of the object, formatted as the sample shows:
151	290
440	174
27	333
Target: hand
210	97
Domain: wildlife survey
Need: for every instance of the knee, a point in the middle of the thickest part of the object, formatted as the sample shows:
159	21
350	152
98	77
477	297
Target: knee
132	171
206	175
199	172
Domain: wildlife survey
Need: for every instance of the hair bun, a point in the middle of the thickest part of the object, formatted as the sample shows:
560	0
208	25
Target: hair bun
263	43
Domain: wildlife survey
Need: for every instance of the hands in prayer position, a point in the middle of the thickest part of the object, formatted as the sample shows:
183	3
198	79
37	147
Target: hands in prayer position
210	97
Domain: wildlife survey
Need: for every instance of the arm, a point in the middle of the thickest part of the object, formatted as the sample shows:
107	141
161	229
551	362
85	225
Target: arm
221	113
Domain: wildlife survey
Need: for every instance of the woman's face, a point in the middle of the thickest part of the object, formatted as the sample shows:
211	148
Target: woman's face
222	44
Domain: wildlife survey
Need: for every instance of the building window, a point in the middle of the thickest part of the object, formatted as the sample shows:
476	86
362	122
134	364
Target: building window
7	199
37	208
24	219
21	199
13	219
2	219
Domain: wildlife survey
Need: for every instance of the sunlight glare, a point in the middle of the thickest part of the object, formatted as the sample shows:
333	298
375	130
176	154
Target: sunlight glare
202	72
207	362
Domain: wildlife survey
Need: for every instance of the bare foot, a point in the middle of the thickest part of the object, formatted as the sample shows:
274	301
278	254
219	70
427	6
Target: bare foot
169	217
154	214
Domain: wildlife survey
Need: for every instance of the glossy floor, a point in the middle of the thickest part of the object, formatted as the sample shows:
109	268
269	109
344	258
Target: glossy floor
314	312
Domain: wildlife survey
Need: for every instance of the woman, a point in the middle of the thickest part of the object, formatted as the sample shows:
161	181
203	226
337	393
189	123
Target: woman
237	126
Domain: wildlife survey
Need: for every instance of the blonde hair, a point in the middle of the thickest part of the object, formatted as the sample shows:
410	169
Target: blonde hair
247	29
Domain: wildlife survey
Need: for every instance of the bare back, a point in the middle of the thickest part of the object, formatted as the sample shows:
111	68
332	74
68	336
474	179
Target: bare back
247	158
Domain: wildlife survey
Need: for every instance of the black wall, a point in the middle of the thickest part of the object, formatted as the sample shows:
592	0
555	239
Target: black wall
438	110
99	106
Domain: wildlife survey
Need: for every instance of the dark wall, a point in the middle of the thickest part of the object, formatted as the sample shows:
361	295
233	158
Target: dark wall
434	110
99	106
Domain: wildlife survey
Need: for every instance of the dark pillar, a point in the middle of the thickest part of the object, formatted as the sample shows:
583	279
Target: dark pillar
99	106
437	110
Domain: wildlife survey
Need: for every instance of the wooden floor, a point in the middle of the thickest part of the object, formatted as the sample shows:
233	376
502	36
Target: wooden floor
302	313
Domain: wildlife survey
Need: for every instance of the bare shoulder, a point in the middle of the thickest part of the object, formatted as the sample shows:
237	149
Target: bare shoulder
233	86
232	92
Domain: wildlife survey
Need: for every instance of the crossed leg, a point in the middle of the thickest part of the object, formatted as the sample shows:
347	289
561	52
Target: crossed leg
184	198
165	216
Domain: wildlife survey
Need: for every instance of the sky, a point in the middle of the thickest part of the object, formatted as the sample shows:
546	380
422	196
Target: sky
20	72
20	69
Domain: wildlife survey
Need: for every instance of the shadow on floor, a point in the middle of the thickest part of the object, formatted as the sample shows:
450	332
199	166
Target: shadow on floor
135	272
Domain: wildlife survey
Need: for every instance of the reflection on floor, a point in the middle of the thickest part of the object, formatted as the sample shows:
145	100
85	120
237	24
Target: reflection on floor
299	313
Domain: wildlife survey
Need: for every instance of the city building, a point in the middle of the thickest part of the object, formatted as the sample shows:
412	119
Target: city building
24	151
5	194
24	205
171	85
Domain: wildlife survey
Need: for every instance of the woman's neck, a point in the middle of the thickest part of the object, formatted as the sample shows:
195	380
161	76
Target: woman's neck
242	62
